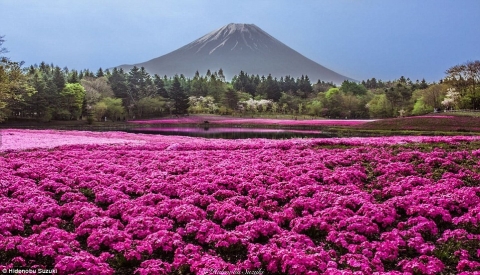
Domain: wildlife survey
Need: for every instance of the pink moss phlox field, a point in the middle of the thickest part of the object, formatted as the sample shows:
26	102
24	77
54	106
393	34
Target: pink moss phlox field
259	121
173	205
222	130
24	139
435	116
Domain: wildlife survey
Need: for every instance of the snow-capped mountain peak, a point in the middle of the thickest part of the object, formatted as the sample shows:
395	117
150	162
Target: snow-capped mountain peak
235	48
233	37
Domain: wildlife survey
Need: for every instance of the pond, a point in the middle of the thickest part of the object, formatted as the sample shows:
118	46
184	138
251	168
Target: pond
232	132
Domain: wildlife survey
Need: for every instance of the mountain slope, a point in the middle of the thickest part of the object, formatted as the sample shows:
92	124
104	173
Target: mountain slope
235	48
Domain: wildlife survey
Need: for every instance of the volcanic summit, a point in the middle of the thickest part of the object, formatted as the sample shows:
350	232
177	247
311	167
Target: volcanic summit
235	48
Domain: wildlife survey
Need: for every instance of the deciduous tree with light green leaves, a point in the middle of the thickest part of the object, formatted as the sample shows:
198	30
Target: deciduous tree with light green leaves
429	99
333	103
99	110
379	106
14	86
115	108
420	107
465	78
315	108
151	106
72	97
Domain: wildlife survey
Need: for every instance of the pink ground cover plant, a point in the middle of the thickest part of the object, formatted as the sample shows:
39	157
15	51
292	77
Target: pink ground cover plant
12	139
177	205
257	121
222	130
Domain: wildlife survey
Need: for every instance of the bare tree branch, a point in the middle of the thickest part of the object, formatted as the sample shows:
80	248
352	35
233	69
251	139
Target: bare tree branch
2	49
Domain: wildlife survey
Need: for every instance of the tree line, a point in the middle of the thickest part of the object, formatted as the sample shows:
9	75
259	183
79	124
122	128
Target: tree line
47	92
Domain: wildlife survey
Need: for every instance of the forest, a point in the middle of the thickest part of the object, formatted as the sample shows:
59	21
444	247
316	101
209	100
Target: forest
46	92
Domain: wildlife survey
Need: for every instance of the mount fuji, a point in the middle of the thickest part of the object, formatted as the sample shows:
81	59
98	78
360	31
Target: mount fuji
235	48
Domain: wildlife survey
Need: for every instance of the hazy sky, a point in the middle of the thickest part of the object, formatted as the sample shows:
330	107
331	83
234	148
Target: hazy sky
357	38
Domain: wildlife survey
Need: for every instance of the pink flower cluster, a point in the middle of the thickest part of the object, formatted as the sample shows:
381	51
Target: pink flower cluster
13	139
259	121
301	206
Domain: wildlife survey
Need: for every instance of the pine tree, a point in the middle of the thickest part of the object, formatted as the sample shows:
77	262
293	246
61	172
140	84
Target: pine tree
73	77
272	88
118	82
58	79
160	86
231	99
423	84
221	76
39	100
100	73
146	81
135	83
180	98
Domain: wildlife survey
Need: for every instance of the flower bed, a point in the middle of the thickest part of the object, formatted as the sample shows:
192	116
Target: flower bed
256	121
222	130
13	139
397	205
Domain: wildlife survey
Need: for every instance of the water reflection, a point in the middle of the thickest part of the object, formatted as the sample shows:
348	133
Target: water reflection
231	133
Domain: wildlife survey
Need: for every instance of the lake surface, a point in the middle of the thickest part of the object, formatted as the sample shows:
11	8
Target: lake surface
231	133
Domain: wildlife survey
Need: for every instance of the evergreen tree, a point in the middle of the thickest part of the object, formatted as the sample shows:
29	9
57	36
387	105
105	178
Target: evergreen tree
52	93
423	84
371	84
39	101
100	73
304	86
270	88
290	85
221	76
353	88
160	86
146	84
139	84
58	79
239	82
231	99
216	88
118	82
73	77
307	86
31	70
134	82
180	98
199	86
44	68
245	83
